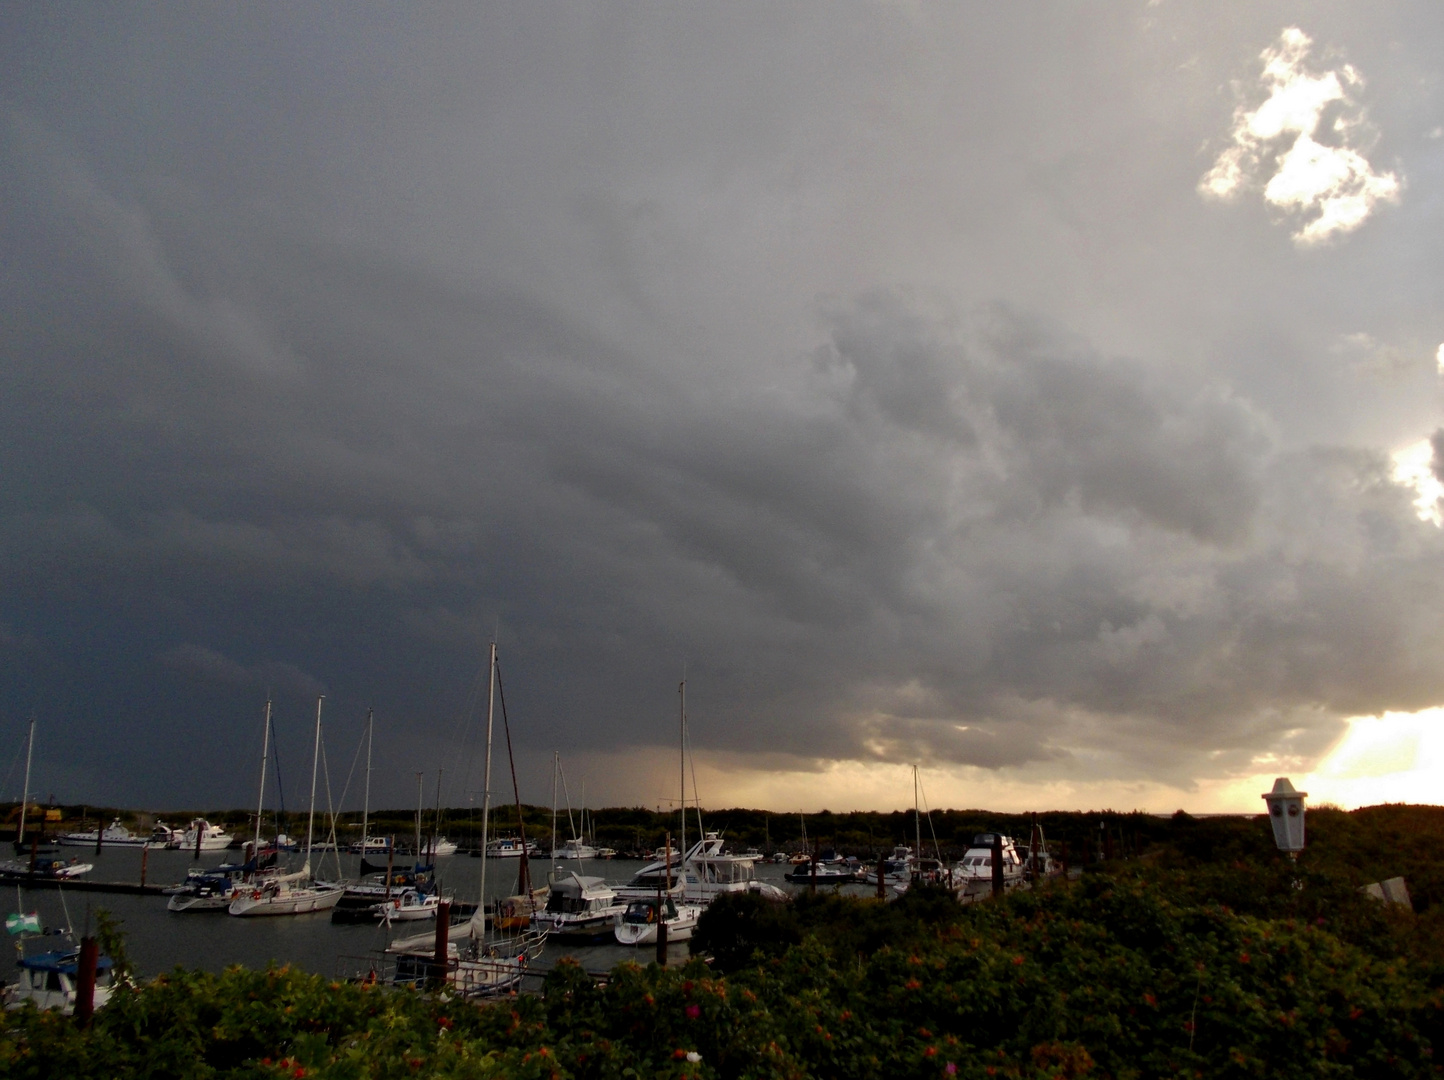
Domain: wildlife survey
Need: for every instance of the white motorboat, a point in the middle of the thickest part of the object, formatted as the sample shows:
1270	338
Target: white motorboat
49	980
637	923
437	847
822	873
510	847
897	868
372	845
114	835
576	849
46	866
211	837
710	873
163	836
973	877
410	905
578	908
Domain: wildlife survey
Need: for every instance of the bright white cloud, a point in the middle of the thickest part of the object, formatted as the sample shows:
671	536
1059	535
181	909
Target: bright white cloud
1414	467
1296	144
1439	358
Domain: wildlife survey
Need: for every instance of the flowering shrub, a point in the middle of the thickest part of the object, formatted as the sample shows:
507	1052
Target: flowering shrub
1115	976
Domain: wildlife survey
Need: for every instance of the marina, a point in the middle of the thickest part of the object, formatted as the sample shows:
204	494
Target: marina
158	940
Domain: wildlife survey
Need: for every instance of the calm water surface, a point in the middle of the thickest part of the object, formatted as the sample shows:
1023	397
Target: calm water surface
158	940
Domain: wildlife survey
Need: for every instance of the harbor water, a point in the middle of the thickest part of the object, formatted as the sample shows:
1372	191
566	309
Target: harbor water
158	940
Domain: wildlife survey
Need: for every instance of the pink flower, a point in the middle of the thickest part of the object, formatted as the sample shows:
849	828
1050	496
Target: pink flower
950	1068
693	1011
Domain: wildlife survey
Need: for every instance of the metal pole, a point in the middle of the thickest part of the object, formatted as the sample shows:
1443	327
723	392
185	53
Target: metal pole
417	843
366	805
997	864
486	780
682	753
315	765
441	961
261	799
25	795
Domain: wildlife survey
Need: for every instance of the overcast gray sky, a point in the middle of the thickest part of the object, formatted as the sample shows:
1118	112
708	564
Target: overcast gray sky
1021	390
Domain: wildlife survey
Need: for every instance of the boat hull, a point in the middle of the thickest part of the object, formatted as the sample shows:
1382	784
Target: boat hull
298	902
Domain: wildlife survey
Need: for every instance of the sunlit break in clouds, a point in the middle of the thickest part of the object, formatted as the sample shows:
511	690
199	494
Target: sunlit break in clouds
893	373
1298	145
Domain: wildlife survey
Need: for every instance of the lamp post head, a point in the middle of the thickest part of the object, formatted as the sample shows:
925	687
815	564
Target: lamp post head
1286	815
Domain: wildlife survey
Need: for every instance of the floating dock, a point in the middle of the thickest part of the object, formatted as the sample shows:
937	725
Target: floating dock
37	881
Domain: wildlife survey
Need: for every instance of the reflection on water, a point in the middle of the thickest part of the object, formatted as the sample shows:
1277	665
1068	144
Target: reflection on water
158	940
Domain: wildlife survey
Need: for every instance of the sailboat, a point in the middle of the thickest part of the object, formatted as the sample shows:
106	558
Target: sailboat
478	962
36	844
290	894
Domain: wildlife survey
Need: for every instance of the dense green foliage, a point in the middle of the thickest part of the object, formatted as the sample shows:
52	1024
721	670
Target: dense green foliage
1213	957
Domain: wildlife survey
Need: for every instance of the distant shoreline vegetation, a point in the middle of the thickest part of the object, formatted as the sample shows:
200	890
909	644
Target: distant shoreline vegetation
1079	835
1206	955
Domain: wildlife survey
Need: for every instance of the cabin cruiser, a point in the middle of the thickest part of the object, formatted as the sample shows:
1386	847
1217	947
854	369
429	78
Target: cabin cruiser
710	873
162	836
637	923
973	876
510	847
372	845
437	845
578	908
203	836
897	868
409	905
48	980
822	873
115	835
666	867
575	849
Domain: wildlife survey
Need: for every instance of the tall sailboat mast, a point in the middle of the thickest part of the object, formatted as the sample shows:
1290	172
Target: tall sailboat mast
261	798
556	764
486	779
682	754
315	767
25	795
917	815
366	803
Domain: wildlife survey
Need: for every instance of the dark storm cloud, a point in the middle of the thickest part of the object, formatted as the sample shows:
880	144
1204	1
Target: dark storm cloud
329	349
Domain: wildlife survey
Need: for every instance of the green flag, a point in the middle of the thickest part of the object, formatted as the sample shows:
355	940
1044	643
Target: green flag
20	923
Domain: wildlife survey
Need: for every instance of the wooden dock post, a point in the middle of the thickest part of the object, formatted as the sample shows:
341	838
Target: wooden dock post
85	982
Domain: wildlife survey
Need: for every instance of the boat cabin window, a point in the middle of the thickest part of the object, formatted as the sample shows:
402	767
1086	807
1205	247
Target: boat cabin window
52	982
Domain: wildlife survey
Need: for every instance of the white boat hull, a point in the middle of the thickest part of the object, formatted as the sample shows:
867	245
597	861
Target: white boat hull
292	902
180	902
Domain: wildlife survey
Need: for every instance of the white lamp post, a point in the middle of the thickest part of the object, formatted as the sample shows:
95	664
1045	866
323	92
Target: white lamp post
1286	815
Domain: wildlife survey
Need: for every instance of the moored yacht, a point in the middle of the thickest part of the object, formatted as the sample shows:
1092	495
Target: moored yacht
973	876
49	980
578	908
114	835
637	923
203	836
